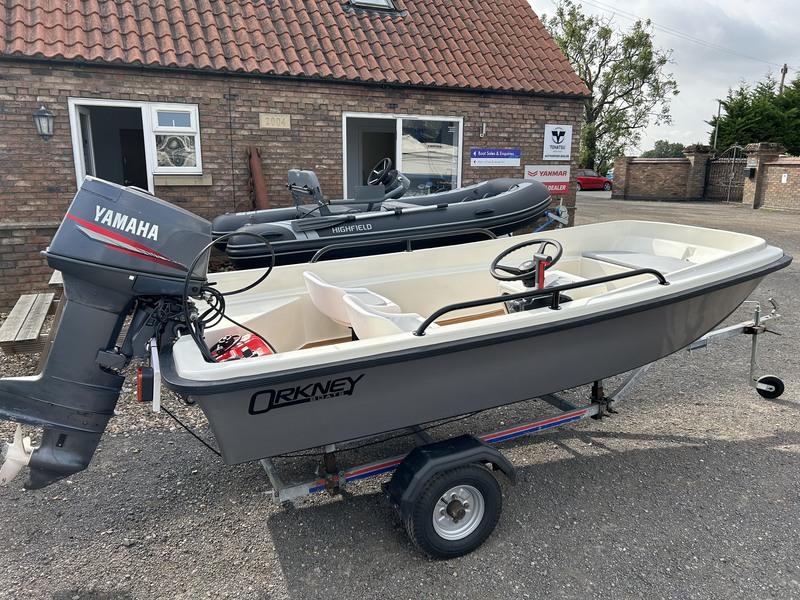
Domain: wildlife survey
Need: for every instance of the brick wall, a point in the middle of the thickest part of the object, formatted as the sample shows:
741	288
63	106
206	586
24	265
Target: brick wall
776	193
650	178
37	177
662	178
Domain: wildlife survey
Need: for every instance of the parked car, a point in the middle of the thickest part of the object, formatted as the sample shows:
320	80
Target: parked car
590	180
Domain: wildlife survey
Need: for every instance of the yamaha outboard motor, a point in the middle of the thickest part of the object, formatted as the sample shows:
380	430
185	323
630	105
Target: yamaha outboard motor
121	252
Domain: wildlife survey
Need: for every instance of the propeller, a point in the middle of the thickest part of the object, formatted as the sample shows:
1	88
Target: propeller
15	456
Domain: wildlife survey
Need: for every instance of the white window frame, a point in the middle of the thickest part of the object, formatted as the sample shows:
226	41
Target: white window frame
147	112
399	118
193	130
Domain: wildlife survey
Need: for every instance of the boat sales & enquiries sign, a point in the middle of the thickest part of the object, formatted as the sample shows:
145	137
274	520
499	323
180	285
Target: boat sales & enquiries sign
495	157
554	177
557	142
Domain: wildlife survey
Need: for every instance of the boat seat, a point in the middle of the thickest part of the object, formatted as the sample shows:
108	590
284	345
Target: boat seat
371	322
328	298
640	260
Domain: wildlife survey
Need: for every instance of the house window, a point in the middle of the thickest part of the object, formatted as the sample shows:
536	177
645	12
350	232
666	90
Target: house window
129	142
426	149
382	4
176	136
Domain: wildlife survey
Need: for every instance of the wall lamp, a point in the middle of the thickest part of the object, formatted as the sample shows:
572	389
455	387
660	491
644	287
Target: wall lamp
44	121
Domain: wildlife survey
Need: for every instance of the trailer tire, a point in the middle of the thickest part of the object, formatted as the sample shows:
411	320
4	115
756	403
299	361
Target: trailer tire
472	488
775	382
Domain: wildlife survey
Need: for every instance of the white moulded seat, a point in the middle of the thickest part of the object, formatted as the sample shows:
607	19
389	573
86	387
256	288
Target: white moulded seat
371	321
328	298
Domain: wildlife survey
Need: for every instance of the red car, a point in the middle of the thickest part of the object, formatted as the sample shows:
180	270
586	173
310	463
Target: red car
590	180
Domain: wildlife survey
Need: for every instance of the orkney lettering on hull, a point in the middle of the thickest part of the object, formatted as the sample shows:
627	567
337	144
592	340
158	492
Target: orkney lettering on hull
267	400
117	220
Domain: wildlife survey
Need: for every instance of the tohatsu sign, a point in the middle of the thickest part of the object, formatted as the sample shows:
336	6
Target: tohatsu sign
554	177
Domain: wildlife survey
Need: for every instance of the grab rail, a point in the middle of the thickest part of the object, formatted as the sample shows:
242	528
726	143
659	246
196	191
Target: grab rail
555	301
406	238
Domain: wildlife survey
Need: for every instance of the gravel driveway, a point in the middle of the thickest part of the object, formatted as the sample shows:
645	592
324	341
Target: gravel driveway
692	491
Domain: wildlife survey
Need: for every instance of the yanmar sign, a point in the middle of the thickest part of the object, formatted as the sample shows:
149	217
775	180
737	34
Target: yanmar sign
268	400
554	177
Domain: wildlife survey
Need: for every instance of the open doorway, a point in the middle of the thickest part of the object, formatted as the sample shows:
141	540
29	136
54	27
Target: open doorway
112	141
368	142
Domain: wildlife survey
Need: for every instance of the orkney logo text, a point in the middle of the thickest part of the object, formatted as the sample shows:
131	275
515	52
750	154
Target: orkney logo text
268	400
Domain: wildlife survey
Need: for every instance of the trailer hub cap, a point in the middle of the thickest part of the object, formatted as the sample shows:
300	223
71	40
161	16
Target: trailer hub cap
458	512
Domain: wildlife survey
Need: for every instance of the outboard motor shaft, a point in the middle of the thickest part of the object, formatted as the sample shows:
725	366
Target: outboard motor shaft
120	251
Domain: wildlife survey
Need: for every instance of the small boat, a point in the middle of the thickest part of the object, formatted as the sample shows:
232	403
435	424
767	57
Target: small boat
378	220
344	349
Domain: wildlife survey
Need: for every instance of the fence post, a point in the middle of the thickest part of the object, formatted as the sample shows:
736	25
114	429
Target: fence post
757	156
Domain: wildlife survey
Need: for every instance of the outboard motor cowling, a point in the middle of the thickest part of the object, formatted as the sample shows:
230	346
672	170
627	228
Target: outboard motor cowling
119	250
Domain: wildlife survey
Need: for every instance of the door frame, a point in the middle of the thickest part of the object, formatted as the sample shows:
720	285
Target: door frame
398	117
83	111
74	104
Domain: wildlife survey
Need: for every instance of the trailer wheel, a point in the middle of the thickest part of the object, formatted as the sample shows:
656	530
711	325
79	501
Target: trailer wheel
775	382
455	512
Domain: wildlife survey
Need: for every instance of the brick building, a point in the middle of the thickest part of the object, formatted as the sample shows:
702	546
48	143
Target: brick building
169	95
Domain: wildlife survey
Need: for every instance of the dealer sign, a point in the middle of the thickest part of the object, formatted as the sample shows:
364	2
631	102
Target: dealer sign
554	177
557	142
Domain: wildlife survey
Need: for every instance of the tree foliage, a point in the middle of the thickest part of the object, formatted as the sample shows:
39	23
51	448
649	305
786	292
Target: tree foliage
760	114
625	73
665	149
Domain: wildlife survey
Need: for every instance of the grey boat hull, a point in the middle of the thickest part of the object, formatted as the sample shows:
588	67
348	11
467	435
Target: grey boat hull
254	418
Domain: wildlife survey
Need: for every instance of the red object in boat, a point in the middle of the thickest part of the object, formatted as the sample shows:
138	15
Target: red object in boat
234	347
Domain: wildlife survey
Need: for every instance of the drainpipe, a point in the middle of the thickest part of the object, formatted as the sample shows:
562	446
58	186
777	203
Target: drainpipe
258	187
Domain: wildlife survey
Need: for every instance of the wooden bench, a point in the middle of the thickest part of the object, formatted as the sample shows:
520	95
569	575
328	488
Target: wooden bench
21	333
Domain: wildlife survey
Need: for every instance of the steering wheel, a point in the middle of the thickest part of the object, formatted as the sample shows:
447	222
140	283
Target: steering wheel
379	172
526	270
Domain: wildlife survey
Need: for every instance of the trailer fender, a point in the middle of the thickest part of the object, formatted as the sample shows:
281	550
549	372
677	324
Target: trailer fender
425	462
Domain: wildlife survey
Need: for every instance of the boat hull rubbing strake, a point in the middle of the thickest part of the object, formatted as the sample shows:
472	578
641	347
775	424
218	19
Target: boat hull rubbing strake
257	417
503	206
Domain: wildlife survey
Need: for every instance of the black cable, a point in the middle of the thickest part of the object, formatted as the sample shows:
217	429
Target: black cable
218	306
192	433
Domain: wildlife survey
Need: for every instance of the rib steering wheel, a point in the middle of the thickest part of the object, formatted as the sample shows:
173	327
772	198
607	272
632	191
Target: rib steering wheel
527	270
379	172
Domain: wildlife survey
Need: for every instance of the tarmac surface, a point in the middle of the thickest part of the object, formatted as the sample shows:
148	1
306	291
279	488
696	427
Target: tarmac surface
692	491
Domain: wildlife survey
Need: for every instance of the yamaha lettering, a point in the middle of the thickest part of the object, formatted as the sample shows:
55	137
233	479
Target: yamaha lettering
268	400
106	216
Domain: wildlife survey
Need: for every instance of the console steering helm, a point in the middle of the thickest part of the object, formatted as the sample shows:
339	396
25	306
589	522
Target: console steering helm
530	272
380	173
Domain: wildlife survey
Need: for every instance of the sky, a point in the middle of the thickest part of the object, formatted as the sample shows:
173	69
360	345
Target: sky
766	30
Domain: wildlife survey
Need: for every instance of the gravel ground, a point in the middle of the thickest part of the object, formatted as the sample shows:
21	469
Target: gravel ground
693	491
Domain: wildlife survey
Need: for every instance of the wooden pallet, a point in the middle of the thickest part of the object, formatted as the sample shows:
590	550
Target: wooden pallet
21	333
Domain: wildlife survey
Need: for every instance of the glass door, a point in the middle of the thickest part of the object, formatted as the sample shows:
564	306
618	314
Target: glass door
429	154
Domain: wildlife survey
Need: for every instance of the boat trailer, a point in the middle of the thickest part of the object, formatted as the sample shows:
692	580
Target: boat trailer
448	506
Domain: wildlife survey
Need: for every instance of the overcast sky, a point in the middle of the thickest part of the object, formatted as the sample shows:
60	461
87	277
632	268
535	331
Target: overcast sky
767	30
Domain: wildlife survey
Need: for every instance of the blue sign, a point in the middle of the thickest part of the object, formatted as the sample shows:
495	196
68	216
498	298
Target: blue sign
495	157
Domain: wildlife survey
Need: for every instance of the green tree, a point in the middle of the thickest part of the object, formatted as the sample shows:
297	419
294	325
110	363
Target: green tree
665	149
760	114
625	73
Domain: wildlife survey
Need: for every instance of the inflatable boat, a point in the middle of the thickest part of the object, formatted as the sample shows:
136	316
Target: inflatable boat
301	356
380	222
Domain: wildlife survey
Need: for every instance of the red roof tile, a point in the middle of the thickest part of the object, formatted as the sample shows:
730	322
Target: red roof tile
494	45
